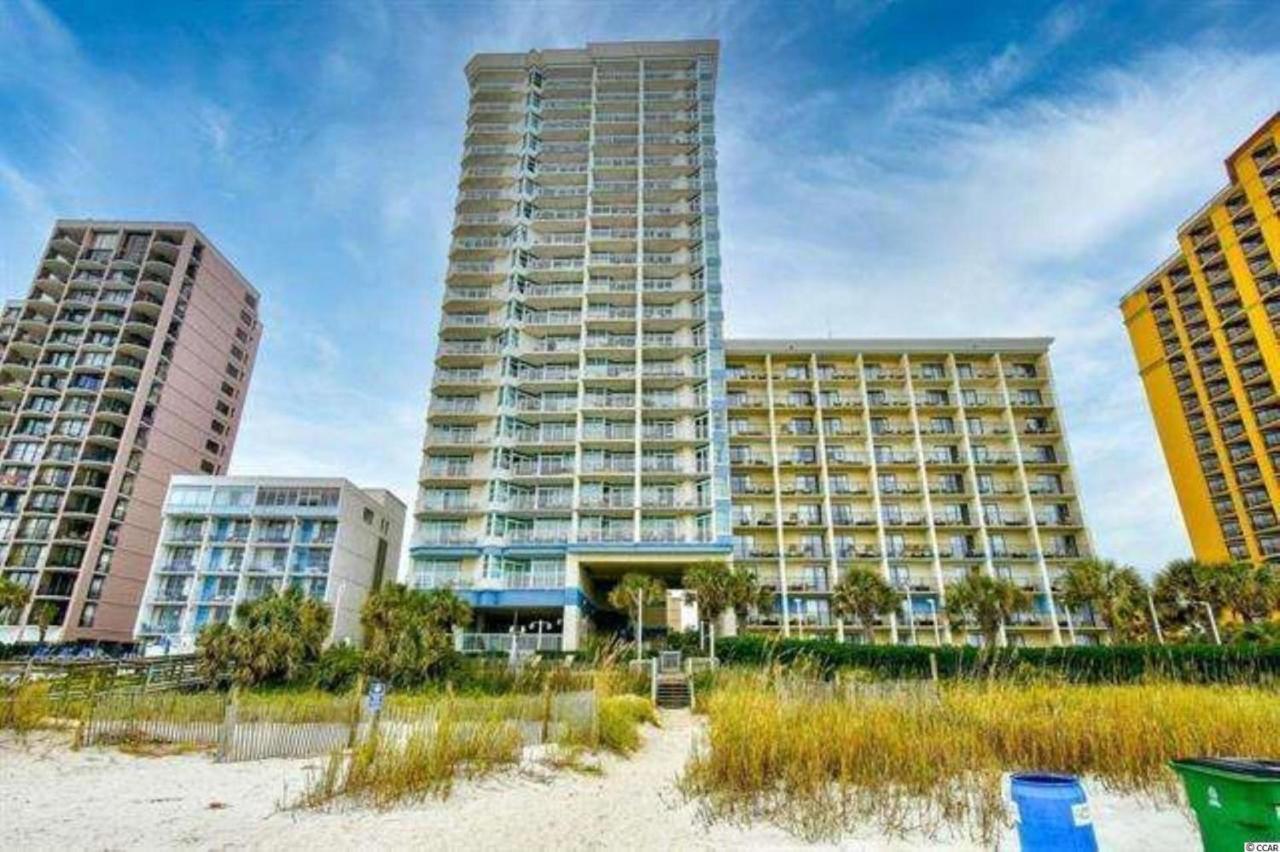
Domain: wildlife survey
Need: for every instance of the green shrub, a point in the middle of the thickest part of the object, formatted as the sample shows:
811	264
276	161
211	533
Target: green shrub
338	668
1082	664
687	642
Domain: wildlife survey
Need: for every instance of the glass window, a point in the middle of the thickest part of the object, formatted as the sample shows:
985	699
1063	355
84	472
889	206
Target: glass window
188	495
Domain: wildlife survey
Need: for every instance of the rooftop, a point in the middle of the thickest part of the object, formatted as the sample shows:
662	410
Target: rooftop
595	50
894	345
149	225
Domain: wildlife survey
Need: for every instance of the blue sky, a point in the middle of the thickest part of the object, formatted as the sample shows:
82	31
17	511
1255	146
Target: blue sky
886	169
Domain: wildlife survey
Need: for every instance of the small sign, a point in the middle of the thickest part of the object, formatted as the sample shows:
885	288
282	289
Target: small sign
1080	815
373	699
1214	800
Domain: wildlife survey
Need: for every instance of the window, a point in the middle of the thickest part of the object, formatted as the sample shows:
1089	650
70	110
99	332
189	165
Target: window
25	451
367	516
437	574
105	240
233	496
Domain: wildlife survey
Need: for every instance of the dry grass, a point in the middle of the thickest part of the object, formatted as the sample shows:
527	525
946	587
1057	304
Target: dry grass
25	707
820	761
382	772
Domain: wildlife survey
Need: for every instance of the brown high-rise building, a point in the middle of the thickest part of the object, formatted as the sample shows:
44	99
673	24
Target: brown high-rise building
127	362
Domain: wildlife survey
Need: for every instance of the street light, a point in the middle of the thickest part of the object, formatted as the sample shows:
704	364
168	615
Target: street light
515	630
1071	625
1213	622
640	625
933	614
1155	618
540	625
905	585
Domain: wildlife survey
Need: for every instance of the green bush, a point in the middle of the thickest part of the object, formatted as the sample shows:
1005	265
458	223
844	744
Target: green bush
687	642
338	668
1085	664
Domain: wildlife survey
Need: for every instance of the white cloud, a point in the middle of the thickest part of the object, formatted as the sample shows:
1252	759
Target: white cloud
1031	219
939	201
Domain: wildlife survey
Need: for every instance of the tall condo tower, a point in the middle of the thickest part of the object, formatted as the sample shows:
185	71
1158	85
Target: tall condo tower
1204	328
577	426
128	361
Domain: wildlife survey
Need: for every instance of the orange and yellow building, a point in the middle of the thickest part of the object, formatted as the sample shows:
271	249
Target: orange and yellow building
1204	328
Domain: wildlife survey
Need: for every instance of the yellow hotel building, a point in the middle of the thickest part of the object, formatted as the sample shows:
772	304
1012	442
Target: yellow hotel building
1204	329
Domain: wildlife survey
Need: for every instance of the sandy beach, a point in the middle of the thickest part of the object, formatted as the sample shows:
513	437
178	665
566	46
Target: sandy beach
55	798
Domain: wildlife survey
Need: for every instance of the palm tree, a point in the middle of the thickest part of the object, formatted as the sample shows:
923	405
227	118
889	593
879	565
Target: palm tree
630	594
1113	592
1182	588
746	594
1255	591
719	588
864	595
408	633
13	598
273	639
986	601
43	614
710	584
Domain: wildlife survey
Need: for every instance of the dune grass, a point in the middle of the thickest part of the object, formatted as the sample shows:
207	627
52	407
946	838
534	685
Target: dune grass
382	772
820	761
25	707
620	718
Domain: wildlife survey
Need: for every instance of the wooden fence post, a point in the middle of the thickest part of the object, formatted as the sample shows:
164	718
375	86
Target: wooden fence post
357	702
546	711
227	737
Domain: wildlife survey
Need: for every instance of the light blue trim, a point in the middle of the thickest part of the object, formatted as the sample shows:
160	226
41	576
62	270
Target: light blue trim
487	599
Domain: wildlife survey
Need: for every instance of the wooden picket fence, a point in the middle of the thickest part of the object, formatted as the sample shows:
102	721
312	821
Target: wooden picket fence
76	680
113	720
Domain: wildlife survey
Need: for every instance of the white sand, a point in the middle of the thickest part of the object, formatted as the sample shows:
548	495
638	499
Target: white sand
54	798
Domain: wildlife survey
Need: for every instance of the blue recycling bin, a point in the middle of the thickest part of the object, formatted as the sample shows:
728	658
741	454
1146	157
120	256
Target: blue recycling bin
1052	813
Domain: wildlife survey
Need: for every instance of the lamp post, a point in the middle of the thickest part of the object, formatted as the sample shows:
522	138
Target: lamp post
933	614
640	625
1155	618
1071	626
515	630
1213	622
540	625
911	610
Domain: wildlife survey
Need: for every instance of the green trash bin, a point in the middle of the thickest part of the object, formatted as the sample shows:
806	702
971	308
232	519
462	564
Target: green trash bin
1236	800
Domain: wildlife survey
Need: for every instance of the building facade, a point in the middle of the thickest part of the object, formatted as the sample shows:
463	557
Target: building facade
230	539
577	421
922	460
1204	329
128	361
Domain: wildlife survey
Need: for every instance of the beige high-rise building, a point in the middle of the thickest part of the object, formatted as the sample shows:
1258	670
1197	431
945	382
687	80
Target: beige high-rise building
127	362
574	430
921	460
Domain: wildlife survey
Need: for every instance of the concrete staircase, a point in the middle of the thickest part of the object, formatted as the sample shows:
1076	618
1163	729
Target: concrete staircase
674	692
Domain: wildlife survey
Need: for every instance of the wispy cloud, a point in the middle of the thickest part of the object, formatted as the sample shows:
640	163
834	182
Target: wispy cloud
1029	219
980	187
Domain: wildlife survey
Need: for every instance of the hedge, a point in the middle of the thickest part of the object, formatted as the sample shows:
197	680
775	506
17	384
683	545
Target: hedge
1091	664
